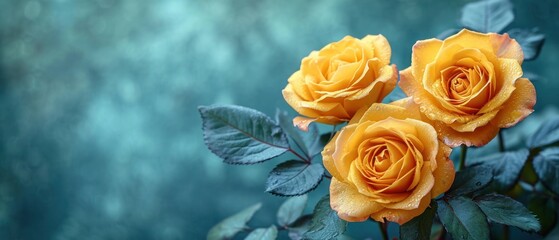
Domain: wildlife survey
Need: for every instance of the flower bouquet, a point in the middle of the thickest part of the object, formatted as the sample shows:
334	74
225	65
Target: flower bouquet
390	161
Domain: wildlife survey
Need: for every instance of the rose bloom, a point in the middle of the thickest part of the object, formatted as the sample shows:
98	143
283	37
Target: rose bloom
469	85
386	164
335	82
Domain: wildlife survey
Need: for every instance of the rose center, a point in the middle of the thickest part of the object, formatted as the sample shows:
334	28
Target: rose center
381	161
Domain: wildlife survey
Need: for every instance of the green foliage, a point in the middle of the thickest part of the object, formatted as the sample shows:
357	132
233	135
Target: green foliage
547	134
505	166
292	178
546	165
325	222
487	16
531	42
270	233
308	142
291	210
230	226
463	219
545	209
298	228
419	228
470	180
505	210
241	135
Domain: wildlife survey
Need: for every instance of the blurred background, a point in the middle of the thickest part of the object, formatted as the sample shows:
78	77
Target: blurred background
100	137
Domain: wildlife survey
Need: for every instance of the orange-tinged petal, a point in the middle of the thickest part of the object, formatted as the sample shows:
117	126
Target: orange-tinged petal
401	216
506	47
381	47
444	173
507	71
328	160
475	123
424	52
481	136
470	39
349	203
422	189
519	105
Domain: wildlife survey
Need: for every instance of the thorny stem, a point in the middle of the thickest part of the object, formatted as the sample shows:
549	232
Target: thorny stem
463	152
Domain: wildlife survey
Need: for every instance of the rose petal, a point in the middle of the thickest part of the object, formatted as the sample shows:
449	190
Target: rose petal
380	46
470	39
519	105
401	216
423	53
479	137
349	203
422	189
444	173
507	71
506	47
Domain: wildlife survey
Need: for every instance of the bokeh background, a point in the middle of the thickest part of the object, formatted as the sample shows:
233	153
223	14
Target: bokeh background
100	134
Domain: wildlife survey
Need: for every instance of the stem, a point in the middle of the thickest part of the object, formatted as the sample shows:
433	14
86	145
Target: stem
464	150
505	232
501	142
298	155
383	229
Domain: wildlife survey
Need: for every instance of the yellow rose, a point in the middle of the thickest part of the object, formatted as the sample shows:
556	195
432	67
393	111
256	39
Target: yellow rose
386	164
338	80
469	85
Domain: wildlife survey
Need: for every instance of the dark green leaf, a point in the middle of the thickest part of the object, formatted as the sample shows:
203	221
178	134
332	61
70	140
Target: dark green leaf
294	178
241	135
463	219
531	42
299	227
545	209
505	166
470	180
505	210
325	222
448	33
420	226
270	233
308	142
546	165
286	123
487	16
230	226
291	210
548	133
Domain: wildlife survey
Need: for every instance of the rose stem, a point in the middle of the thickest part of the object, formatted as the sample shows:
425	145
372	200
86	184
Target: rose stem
502	149
463	149
501	142
383	229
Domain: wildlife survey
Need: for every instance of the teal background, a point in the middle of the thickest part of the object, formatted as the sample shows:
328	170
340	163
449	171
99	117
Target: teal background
100	135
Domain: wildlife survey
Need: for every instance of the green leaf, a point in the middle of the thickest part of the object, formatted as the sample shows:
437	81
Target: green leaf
463	219
299	227
241	135
325	222
470	180
293	178
420	226
531	42
545	209
308	142
546	165
487	16
291	210
270	233
505	210
548	133
506	166
230	226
